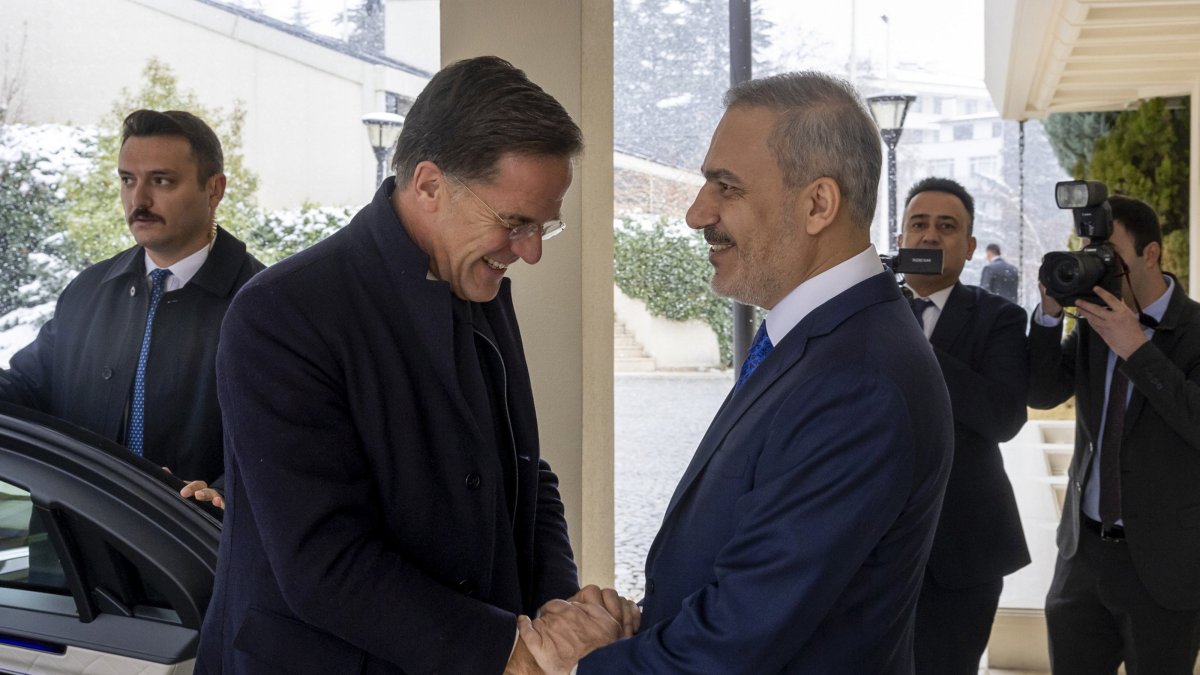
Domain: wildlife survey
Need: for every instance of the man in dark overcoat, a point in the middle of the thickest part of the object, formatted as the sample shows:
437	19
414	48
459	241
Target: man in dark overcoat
388	507
131	350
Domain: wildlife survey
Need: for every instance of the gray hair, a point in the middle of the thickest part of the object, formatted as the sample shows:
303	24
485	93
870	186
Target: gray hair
824	130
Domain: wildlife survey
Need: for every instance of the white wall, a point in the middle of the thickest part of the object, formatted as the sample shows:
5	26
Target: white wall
407	34
672	344
303	135
565	301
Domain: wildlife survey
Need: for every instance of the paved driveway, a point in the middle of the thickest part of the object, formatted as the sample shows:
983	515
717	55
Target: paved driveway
660	419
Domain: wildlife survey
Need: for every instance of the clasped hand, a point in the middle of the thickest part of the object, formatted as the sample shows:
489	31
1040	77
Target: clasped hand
567	630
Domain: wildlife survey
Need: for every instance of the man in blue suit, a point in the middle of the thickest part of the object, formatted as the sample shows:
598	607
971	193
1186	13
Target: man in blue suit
797	538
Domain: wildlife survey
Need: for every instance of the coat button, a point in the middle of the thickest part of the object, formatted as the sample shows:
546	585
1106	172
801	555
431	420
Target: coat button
649	587
466	587
106	373
472	481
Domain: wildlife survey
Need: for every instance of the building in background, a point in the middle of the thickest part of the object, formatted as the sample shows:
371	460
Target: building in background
953	130
304	94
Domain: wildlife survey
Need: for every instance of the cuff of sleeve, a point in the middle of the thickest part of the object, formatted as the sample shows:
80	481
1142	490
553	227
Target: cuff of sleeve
1044	319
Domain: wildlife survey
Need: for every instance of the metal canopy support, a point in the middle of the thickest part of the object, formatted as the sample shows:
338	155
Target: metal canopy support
741	53
1194	195
1021	212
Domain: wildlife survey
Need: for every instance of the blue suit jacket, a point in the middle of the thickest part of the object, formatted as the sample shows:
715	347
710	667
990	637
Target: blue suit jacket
796	539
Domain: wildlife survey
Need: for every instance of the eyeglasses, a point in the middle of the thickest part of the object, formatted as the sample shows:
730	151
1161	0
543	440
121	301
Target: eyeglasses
548	229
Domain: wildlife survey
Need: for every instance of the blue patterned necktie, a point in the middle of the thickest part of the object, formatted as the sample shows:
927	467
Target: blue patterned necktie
137	415
759	348
919	305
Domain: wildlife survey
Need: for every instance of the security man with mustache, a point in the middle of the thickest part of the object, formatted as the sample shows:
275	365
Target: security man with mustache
130	353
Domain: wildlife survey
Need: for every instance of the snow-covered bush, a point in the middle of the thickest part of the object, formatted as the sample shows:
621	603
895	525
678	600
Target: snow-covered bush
278	234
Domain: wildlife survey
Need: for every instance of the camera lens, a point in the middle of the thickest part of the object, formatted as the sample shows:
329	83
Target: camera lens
1067	272
1069	275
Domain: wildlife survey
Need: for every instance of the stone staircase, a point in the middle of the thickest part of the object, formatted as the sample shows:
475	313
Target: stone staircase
628	355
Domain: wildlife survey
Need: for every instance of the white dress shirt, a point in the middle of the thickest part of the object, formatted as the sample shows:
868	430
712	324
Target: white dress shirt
932	313
183	270
818	290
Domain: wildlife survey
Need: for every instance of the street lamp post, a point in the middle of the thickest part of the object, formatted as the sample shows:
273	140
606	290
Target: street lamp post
382	131
889	111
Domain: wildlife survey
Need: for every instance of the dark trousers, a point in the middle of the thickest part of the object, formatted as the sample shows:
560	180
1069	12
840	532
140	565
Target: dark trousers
953	626
1099	614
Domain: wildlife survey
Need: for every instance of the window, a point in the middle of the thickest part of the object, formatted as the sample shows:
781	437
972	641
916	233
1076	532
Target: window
997	129
942	168
27	556
937	106
984	166
963	132
397	103
970	106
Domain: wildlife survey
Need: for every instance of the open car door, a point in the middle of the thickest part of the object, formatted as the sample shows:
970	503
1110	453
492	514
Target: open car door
103	566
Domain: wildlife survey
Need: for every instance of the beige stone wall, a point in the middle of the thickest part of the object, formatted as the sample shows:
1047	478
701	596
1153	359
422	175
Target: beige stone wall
565	302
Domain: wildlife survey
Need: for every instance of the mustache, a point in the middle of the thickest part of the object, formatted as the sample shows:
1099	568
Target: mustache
714	236
143	213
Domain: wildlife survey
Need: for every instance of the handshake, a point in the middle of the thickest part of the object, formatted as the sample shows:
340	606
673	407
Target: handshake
567	630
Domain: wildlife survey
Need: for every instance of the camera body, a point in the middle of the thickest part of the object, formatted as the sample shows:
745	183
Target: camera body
914	261
1070	276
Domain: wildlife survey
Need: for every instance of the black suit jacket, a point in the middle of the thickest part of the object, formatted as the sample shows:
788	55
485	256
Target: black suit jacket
980	345
1160	447
367	526
81	366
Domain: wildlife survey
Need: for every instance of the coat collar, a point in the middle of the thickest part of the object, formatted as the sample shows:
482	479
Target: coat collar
405	260
218	275
405	268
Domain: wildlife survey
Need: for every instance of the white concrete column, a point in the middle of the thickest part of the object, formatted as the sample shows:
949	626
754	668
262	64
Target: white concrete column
1194	196
565	303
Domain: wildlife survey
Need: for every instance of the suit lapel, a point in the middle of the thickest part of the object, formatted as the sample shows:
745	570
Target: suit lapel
783	358
954	317
1164	337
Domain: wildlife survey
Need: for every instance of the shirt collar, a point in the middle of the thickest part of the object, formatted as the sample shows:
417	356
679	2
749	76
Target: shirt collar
939	298
818	290
185	269
1158	308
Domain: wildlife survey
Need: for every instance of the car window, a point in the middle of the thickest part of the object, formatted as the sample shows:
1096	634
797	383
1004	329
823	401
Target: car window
27	556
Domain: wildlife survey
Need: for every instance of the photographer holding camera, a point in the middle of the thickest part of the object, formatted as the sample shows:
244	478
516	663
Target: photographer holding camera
1127	582
979	341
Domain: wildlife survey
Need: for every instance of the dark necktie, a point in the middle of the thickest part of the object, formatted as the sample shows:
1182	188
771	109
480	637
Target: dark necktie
137	414
759	348
1110	448
919	305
